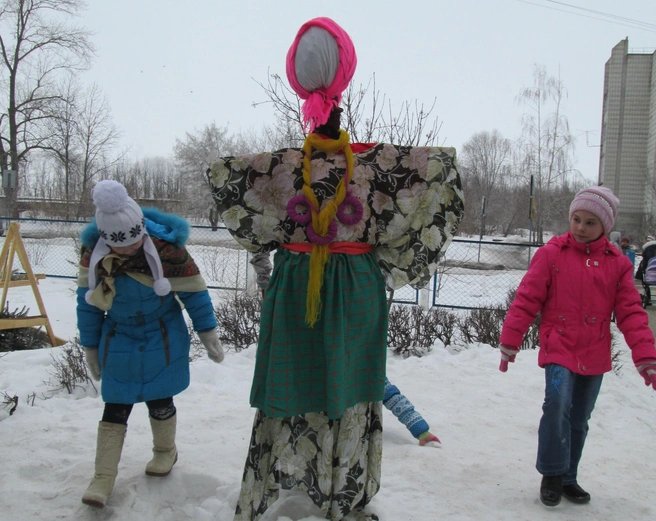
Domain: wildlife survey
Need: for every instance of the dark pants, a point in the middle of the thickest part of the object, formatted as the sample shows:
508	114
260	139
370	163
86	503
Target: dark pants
161	409
569	399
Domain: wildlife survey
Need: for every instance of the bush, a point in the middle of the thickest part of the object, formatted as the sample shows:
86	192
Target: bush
21	338
413	330
70	369
483	325
196	348
239	320
10	403
447	325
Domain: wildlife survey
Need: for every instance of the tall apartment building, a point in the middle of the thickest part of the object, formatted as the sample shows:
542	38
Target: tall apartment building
628	138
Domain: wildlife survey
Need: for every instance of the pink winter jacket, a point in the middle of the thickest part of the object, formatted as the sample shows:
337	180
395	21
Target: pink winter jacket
576	287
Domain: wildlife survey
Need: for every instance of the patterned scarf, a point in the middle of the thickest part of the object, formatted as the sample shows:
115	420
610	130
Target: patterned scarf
176	264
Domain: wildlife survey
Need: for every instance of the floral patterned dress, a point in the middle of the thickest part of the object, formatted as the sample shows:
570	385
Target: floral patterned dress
411	197
318	390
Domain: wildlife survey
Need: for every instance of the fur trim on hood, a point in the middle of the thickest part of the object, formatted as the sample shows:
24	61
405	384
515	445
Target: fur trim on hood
165	226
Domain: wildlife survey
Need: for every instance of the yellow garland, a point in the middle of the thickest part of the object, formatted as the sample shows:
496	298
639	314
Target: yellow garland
321	220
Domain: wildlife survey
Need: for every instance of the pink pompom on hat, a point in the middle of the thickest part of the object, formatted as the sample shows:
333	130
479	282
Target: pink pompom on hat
600	201
320	65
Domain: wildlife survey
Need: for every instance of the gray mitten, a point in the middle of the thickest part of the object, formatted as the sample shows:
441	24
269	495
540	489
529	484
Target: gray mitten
212	343
93	365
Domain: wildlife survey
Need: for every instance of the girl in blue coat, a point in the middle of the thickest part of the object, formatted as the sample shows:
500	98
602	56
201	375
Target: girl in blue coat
135	277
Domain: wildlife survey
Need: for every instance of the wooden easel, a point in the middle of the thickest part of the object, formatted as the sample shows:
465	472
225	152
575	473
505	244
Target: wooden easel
14	246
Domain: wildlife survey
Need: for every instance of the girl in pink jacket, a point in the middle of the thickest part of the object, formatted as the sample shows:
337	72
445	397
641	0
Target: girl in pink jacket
576	281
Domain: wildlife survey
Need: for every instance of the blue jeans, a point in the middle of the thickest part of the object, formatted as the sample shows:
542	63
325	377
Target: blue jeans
569	399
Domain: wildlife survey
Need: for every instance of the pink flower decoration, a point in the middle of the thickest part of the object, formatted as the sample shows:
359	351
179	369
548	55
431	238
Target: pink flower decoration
318	239
301	218
355	214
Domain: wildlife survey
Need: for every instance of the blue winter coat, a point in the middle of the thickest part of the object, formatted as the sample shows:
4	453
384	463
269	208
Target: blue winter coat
143	340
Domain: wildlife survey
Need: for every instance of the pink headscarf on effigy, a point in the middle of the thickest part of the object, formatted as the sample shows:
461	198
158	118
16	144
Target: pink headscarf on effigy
320	65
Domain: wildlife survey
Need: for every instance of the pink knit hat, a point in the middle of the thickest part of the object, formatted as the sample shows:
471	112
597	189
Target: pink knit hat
320	65
600	201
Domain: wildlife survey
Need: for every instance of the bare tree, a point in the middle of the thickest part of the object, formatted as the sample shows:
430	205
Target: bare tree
547	143
81	140
486	157
368	116
97	138
193	156
61	140
286	109
35	45
485	165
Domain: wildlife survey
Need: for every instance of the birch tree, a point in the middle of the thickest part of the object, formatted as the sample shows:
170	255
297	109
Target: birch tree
547	144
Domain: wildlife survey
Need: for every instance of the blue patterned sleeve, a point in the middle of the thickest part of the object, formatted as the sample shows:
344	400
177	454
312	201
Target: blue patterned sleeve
403	409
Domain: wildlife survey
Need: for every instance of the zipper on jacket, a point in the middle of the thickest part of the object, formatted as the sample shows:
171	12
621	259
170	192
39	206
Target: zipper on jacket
165	338
108	338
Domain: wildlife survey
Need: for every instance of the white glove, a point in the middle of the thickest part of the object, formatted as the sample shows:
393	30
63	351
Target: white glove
93	365
213	345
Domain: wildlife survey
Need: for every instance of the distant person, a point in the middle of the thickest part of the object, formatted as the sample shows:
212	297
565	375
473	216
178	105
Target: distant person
576	281
135	276
648	251
615	238
625	244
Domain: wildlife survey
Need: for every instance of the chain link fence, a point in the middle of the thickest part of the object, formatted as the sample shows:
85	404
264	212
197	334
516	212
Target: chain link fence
472	275
53	248
479	275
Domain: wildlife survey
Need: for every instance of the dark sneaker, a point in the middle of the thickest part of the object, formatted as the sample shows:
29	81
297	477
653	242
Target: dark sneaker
551	490
575	493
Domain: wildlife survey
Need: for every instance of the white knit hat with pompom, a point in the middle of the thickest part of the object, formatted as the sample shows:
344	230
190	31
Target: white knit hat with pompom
120	220
121	223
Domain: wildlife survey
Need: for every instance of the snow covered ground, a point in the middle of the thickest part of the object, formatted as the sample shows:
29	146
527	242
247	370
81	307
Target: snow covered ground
487	422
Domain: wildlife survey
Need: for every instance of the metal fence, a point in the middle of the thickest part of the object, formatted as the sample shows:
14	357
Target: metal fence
53	248
479	274
472	275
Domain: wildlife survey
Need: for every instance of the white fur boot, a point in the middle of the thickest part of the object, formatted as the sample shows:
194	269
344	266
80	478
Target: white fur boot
108	453
165	453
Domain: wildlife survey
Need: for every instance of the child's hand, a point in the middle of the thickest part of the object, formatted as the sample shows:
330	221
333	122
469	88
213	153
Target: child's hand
429	440
648	372
93	365
212	343
507	355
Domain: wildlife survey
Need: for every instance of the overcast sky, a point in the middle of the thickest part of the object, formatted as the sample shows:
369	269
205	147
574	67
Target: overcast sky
170	67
